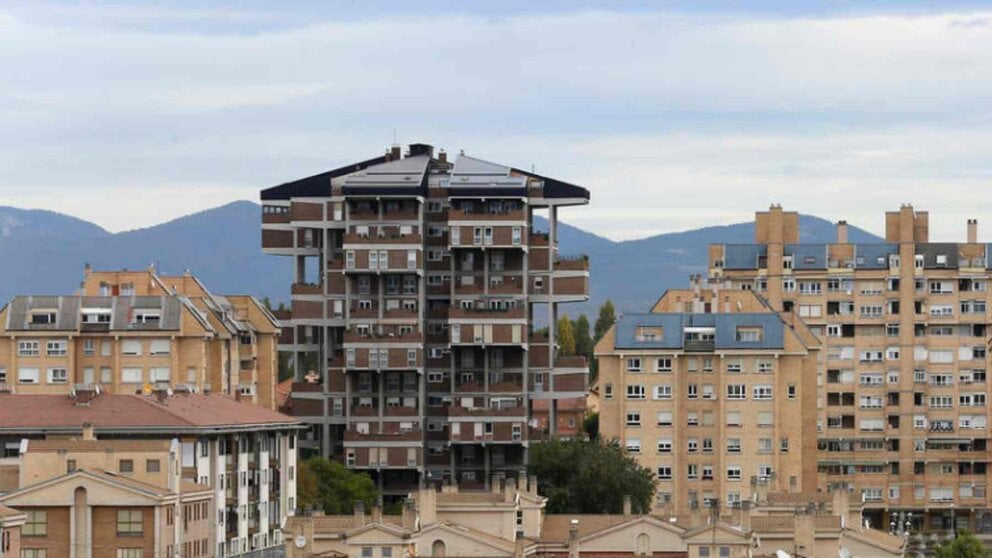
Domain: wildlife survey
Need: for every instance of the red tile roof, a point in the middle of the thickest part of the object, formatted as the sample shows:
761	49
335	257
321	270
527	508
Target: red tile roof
110	412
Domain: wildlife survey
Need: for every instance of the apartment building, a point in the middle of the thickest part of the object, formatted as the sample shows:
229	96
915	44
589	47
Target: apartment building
244	455
417	285
129	331
902	406
89	497
707	391
510	521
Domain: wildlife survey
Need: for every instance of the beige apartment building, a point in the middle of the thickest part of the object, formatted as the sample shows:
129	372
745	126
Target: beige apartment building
109	499
417	284
128	331
241	454
11	521
902	403
708	391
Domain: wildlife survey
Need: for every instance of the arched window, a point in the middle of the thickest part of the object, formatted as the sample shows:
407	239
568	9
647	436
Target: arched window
643	545
437	549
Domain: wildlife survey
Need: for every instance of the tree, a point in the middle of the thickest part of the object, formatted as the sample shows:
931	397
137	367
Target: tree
329	486
590	425
579	476
583	341
566	340
965	545
607	317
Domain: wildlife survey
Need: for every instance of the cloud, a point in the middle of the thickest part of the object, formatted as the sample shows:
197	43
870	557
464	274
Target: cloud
666	116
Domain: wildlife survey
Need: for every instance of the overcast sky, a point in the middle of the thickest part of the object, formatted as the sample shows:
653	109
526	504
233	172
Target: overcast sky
674	117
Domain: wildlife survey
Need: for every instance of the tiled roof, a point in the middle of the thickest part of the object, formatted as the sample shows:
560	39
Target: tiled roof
8	512
69	309
556	526
876	537
175	414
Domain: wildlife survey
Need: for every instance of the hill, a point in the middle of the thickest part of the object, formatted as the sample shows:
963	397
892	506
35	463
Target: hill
44	253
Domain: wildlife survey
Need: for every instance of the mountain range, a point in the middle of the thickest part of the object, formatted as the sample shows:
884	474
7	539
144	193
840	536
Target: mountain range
42	252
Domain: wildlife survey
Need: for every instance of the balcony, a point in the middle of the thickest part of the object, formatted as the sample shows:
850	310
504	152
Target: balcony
307	289
458	313
580	263
300	211
381	239
458	411
376	338
277	239
456	214
307	387
409	436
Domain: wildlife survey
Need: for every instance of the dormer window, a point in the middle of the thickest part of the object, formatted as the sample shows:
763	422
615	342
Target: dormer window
750	334
147	316
648	333
96	315
43	317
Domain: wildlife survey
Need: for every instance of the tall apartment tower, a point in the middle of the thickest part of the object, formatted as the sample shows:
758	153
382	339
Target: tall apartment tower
902	405
417	287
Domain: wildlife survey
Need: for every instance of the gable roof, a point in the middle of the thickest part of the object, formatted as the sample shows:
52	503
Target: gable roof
473	534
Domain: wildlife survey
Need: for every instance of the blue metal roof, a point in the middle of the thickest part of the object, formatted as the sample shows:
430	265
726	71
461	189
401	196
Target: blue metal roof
743	256
673	324
866	256
807	256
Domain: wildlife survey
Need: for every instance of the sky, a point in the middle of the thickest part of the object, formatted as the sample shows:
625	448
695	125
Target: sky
674	115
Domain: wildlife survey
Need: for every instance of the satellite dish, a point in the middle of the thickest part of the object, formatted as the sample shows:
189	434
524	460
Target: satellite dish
782	554
300	541
844	553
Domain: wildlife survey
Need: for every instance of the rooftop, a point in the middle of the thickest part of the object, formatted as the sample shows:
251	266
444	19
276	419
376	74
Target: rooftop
671	329
110	413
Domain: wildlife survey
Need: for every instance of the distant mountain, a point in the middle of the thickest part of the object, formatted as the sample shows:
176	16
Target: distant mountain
42	252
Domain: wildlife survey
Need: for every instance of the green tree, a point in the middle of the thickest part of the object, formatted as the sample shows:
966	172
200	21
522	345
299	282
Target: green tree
566	339
965	545
583	340
607	317
590	425
579	476
329	486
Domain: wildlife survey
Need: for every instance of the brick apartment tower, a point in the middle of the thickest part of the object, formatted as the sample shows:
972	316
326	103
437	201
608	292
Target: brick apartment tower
902	408
417	286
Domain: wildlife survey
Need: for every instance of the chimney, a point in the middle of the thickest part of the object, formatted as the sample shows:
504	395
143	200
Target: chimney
88	433
626	505
409	514
841	232
494	484
805	529
395	152
377	510
972	231
745	515
695	513
442	157
359	513
427	506
573	539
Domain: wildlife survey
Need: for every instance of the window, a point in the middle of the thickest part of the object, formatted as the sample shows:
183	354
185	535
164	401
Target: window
663	392
131	375
27	348
58	376
733	418
665	445
36	524
153	466
765	366
763	392
57	348
129	523
664	365
633	418
736	391
733	472
125	466
791	391
27	376
635	391
131	347
160	347
633	365
733	366
665	472
633	445
733	445
130	553
608	391
665	418
33	552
